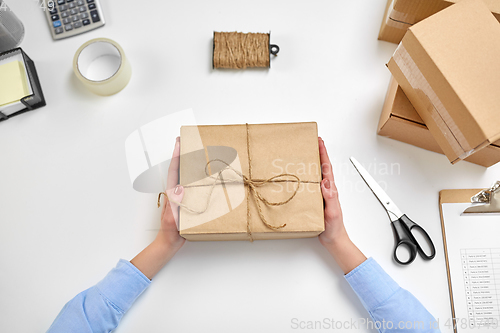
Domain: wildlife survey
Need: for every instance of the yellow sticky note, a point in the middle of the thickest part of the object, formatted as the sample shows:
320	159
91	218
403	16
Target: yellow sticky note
13	84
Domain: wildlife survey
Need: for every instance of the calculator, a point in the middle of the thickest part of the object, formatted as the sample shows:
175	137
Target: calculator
68	18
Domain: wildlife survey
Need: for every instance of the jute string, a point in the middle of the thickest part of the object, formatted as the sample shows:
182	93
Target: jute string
252	185
239	50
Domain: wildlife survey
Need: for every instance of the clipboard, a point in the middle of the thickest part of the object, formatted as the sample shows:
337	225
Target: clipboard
465	196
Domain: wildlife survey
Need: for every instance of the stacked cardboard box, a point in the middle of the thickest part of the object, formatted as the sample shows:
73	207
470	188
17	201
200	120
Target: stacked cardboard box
400	121
451	80
401	14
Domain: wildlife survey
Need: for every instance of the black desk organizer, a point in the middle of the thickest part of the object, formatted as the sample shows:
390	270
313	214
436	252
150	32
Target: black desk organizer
33	101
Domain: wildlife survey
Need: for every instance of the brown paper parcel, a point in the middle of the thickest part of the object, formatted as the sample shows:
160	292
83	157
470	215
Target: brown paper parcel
232	156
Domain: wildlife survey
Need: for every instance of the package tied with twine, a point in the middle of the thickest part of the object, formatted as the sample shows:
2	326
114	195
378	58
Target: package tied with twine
248	182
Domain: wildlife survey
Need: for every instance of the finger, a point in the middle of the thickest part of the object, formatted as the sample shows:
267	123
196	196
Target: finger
173	169
326	165
331	197
174	196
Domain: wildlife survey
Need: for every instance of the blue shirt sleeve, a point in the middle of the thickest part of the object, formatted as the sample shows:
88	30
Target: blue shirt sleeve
392	308
100	308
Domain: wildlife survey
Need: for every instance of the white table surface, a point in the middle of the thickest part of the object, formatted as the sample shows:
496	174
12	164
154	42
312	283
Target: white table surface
68	211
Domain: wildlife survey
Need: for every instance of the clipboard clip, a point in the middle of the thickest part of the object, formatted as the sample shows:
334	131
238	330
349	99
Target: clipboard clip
485	202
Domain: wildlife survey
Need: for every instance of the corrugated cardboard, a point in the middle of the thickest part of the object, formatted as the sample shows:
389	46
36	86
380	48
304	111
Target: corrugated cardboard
400	121
448	67
274	149
401	14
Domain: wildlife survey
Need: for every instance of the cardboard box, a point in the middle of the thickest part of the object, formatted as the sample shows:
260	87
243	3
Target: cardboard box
401	14
400	121
233	176
448	67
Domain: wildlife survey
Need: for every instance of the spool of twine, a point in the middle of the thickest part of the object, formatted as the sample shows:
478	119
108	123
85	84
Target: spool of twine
239	50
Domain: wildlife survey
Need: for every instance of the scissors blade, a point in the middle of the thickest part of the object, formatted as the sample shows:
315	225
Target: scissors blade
391	208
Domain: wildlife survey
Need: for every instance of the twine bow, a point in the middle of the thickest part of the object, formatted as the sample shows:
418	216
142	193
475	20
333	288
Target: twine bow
252	189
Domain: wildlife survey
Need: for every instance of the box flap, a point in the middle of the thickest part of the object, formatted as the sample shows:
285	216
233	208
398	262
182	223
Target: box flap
404	109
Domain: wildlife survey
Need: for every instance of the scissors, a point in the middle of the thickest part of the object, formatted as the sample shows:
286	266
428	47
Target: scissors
402	226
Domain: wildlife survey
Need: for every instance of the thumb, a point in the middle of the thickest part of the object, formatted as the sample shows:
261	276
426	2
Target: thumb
331	197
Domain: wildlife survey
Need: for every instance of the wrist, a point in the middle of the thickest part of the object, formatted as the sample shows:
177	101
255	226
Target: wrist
345	253
334	237
335	244
164	247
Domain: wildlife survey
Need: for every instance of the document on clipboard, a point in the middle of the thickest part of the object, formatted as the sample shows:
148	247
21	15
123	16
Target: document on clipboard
472	252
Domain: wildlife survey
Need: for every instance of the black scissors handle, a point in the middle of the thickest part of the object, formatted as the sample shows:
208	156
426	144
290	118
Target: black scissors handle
403	233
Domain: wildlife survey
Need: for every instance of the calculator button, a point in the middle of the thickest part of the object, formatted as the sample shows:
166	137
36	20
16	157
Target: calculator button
95	16
61	2
86	22
75	18
72	5
80	2
63	8
83	9
64	14
59	30
84	15
56	24
90	1
55	17
77	25
92	6
66	20
68	27
73	11
53	11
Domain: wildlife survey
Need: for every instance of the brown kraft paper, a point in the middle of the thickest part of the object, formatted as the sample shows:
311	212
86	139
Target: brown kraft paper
233	156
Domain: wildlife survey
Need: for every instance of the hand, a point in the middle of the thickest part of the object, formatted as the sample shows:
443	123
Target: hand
168	241
335	238
169	234
334	224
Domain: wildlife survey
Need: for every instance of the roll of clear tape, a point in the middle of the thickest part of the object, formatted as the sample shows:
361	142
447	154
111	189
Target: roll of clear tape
101	65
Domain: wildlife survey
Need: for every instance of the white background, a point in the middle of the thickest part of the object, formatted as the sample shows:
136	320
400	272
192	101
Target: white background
68	211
